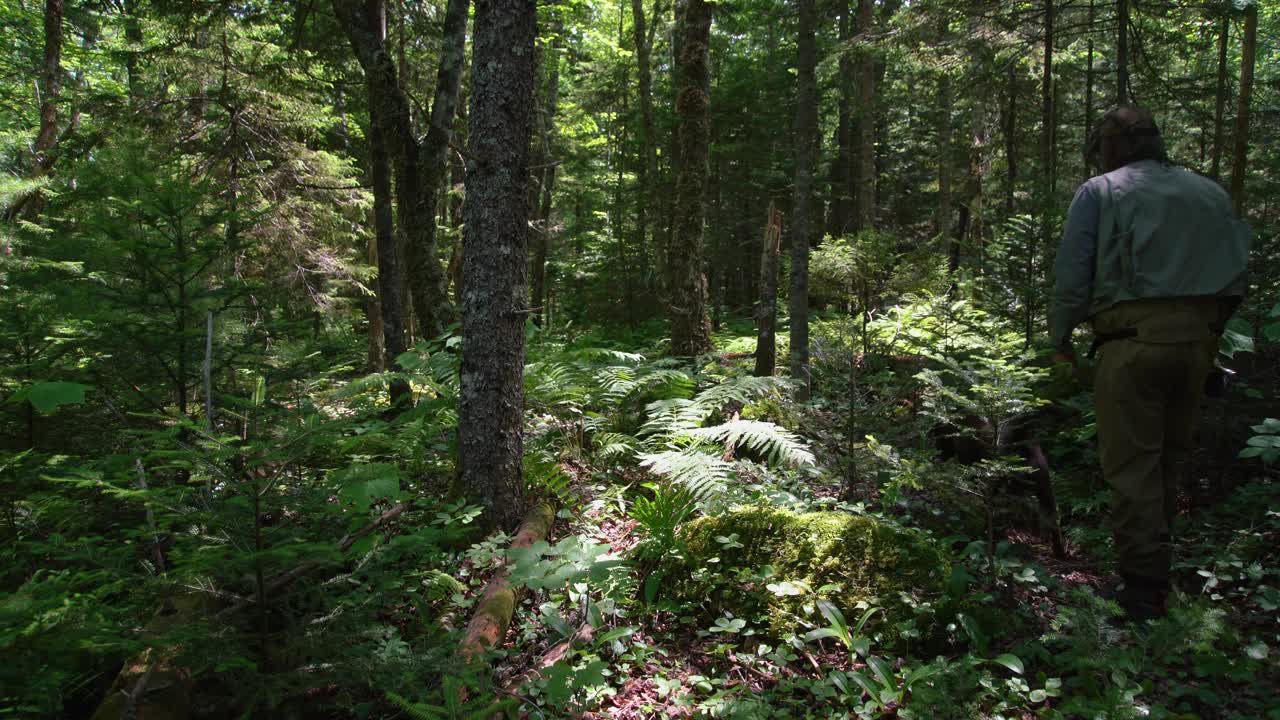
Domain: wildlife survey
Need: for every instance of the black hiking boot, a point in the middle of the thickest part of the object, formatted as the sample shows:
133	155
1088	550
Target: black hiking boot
1140	600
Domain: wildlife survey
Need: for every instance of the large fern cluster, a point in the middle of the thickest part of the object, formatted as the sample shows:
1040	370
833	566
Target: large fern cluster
651	413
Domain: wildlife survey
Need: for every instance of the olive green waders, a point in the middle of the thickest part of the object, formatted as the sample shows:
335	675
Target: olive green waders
1148	390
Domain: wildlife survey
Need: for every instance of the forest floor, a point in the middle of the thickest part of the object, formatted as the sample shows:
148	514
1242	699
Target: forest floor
1047	645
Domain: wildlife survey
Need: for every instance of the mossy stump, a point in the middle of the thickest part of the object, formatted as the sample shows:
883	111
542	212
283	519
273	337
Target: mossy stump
870	560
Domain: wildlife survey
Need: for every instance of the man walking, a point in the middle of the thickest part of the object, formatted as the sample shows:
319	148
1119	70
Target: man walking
1153	257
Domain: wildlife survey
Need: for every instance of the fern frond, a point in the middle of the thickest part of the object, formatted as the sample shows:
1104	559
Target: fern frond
670	418
742	390
700	473
417	711
614	446
776	443
596	355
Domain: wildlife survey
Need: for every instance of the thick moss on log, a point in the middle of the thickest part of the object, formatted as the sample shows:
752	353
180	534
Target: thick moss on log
868	559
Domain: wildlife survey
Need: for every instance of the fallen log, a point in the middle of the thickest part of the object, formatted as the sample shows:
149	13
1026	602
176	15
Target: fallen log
492	616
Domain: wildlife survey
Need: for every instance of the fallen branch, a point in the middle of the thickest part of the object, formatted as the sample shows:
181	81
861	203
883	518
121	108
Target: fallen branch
582	636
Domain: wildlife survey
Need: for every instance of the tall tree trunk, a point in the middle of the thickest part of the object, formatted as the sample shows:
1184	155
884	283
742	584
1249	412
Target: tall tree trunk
419	168
376	359
1047	131
866	167
491	408
971	225
1248	56
50	92
1088	84
1122	52
545	170
767	309
427	280
942	220
802	206
842	164
1220	109
133	36
647	172
457	198
390	273
687	304
366	26
1011	142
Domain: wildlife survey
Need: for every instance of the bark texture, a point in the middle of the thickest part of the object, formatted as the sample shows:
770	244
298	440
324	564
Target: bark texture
1240	158
802	202
390	272
495	256
687	304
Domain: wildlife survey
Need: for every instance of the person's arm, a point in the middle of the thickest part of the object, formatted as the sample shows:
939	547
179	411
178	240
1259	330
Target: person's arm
1073	271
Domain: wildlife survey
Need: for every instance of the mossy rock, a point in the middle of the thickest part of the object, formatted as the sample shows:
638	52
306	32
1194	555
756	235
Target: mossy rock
870	560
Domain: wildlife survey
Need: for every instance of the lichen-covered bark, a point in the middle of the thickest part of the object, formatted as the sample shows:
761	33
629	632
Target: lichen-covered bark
802	203
495	295
687	302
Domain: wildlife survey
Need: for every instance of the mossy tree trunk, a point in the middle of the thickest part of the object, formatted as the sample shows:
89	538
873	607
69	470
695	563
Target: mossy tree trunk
687	301
495	254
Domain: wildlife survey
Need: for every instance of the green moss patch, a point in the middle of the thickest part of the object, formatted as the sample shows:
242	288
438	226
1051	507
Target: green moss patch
845	558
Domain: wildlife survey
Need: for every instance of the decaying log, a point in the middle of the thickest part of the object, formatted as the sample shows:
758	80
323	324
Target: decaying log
497	604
